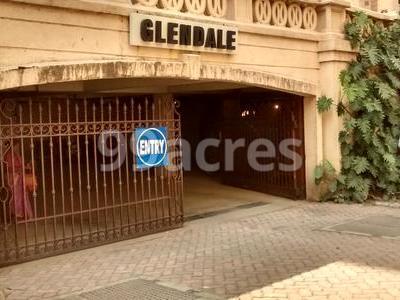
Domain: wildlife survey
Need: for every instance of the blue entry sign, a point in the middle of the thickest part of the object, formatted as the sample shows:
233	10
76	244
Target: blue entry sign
151	147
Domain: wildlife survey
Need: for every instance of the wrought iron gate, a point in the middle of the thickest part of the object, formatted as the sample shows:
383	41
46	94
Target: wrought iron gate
275	118
57	193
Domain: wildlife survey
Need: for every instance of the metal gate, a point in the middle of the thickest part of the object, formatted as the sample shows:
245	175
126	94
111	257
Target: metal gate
68	179
275	118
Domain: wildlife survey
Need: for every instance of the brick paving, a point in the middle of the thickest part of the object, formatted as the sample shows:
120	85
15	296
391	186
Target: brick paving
259	254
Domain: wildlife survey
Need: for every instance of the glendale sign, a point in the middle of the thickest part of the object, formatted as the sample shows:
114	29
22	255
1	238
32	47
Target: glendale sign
161	32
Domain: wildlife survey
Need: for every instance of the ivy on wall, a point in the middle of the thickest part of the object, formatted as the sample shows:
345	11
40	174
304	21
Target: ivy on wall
370	109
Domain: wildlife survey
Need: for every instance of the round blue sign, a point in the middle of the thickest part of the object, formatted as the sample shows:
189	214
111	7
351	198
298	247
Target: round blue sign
151	147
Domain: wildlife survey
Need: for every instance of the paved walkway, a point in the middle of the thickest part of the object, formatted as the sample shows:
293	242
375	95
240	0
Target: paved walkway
275	251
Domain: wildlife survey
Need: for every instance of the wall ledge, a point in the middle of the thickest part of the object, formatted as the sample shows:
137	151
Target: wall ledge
40	74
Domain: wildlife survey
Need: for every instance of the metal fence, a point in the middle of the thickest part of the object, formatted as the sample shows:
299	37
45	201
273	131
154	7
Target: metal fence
275	120
55	195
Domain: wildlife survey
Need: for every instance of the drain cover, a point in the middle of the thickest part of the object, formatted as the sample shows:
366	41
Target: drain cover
140	289
383	226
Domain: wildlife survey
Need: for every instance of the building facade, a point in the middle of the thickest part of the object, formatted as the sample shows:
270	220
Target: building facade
72	70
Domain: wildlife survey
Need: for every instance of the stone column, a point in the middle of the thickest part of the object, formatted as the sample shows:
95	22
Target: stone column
334	55
312	143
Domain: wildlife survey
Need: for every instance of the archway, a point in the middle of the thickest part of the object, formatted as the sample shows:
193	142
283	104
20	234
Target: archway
83	84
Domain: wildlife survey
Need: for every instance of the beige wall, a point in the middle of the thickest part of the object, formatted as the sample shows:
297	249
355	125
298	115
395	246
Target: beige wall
34	34
89	40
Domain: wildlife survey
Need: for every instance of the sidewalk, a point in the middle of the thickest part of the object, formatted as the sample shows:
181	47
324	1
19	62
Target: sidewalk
276	251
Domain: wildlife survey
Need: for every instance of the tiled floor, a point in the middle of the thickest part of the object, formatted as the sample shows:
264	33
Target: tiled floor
276	251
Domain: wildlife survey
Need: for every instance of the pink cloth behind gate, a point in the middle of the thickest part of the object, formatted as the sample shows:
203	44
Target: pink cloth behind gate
20	205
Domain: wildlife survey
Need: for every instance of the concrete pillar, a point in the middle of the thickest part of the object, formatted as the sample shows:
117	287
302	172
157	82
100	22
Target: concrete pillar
332	17
331	123
313	144
334	55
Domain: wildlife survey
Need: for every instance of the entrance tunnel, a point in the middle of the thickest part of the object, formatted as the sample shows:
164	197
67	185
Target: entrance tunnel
69	175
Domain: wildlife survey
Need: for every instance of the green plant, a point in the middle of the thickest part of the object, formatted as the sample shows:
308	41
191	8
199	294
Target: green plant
370	112
329	182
